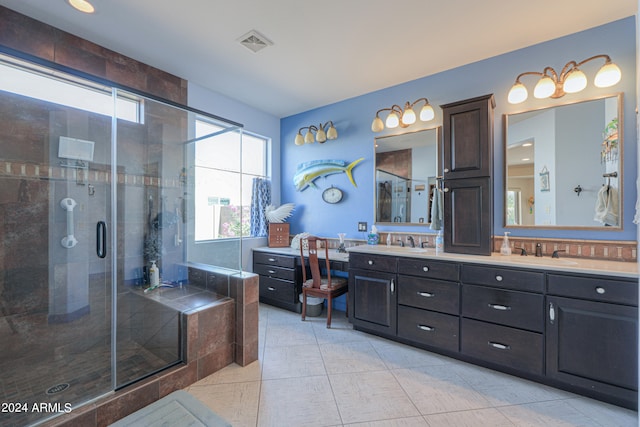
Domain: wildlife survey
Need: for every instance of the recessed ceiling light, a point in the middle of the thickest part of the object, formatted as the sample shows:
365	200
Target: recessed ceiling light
82	6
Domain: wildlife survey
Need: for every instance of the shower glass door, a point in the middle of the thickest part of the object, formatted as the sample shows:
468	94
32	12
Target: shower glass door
55	264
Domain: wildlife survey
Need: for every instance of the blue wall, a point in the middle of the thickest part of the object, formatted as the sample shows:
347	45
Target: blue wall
495	75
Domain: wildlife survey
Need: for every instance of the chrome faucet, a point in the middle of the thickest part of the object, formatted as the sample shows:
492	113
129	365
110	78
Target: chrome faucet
401	243
411	241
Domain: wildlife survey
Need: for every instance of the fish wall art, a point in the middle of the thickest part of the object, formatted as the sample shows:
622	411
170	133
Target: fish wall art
308	172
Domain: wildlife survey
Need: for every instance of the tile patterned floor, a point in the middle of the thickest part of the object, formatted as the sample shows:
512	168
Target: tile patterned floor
308	375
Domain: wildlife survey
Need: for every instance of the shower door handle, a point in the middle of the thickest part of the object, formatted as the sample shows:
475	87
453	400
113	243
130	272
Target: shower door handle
101	239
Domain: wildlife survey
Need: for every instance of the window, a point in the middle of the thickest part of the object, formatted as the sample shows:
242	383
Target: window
45	86
513	207
225	164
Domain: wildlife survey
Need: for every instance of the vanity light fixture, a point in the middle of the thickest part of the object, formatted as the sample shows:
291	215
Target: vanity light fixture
321	135
570	80
82	5
403	117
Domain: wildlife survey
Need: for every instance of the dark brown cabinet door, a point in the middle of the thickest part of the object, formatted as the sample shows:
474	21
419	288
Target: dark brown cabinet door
373	301
468	211
468	138
594	346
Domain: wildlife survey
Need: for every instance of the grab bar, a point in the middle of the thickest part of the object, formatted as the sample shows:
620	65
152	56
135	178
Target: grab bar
69	240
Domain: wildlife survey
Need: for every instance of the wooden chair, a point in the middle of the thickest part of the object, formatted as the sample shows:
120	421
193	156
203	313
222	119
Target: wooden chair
319	286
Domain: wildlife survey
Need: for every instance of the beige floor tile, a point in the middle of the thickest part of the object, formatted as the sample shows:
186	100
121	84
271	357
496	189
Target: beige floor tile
370	396
292	361
306	401
351	357
398	422
557	413
235	402
234	374
436	389
488	417
397	356
605	413
292	333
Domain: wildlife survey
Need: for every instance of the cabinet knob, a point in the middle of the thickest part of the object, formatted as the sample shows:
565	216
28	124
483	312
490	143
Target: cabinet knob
600	290
499	278
445	170
370	262
425	268
445	189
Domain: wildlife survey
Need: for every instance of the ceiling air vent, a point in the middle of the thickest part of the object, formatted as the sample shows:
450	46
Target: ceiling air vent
254	41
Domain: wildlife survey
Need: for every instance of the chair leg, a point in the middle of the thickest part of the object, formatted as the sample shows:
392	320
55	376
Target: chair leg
329	311
304	305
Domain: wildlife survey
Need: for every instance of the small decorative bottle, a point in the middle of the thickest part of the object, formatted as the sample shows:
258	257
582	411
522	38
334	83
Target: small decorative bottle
439	243
341	248
154	275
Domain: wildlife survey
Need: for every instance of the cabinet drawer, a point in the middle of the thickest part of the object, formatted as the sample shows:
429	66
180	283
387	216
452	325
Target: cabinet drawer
272	259
275	272
522	280
373	262
430	294
594	288
502	345
429	268
280	290
510	308
428	327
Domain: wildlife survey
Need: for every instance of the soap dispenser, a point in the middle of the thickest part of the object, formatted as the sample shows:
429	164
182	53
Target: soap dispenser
505	249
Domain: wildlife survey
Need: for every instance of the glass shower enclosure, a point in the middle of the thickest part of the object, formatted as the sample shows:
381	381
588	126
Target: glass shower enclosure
95	184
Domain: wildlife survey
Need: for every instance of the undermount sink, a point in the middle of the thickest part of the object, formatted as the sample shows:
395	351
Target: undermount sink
541	260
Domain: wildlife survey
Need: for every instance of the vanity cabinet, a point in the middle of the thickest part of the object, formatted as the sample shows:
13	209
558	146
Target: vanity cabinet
592	335
467	148
280	279
502	317
429	303
373	293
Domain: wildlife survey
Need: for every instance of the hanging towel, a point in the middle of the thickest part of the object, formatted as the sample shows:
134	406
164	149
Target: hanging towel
607	206
436	210
260	199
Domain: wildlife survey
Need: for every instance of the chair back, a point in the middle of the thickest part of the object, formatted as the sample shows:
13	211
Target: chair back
314	263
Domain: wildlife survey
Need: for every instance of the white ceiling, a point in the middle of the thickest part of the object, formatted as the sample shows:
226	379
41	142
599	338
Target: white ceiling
323	51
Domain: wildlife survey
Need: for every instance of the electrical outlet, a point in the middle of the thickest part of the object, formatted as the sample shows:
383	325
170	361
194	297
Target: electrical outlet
362	226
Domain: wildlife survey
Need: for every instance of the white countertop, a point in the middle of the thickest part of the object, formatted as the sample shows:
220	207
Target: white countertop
333	253
573	265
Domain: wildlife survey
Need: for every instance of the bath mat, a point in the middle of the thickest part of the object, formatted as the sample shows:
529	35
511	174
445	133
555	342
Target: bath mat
176	409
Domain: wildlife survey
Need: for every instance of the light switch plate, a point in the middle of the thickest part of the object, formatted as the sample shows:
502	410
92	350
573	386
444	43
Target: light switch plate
362	226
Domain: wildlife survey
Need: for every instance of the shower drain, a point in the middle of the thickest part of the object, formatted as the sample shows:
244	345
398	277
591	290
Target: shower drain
57	388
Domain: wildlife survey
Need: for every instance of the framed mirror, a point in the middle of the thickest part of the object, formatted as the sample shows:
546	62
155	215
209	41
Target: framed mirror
406	166
563	165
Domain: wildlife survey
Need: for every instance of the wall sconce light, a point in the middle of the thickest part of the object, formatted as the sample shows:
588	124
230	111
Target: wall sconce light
398	116
570	80
321	136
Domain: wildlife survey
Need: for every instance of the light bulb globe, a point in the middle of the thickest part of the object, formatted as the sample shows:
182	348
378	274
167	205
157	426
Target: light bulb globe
517	94
308	138
608	75
575	81
544	88
409	116
377	125
332	133
299	139
427	113
392	120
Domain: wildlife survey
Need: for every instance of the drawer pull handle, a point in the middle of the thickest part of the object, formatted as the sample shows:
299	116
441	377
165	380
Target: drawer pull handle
271	288
393	286
425	328
426	294
552	313
370	262
271	271
499	278
499	346
499	307
272	259
600	290
425	268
